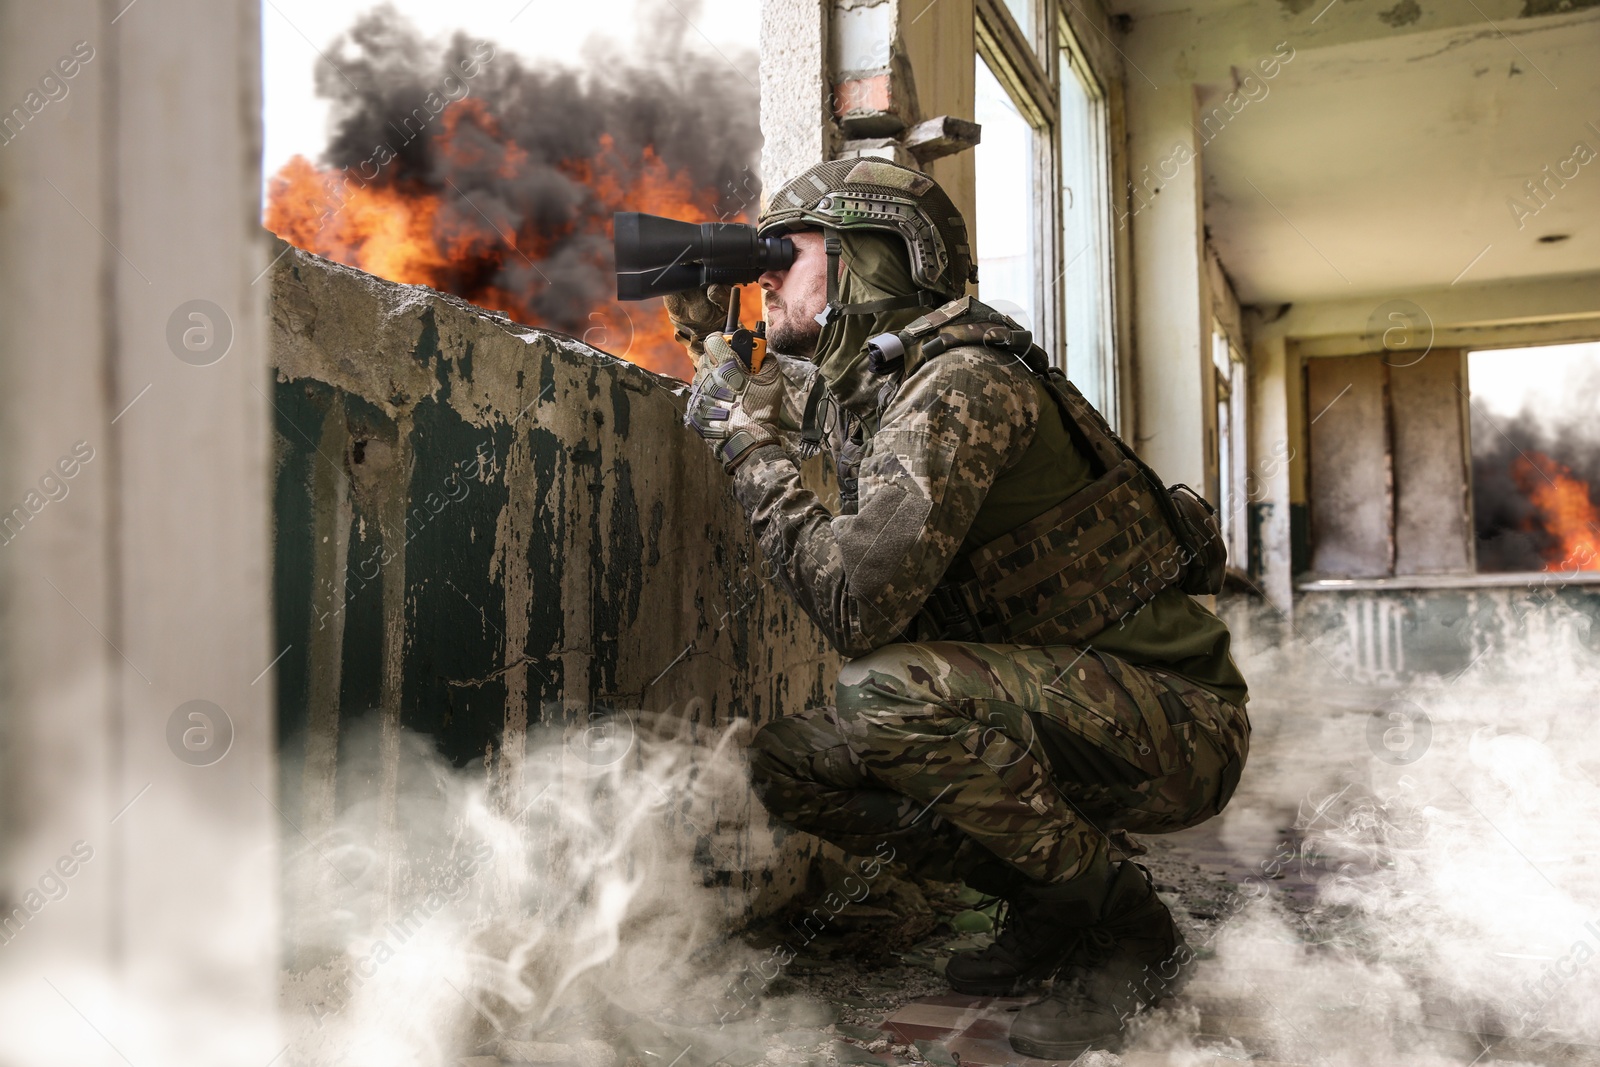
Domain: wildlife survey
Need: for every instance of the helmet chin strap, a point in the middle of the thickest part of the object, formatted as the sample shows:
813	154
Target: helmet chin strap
834	249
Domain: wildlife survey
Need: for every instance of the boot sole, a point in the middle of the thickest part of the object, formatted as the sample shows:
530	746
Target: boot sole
993	989
998	988
1068	1050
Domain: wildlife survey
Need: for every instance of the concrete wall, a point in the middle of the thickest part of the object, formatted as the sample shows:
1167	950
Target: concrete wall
796	124
134	437
499	537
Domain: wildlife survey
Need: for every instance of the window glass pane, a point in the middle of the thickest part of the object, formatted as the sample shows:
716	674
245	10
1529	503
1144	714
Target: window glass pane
1085	245
1220	355
1004	163
1022	11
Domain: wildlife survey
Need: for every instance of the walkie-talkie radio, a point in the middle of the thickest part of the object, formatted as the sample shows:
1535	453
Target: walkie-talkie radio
749	345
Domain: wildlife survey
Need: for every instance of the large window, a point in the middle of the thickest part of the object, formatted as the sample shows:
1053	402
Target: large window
1007	265
1042	225
1453	462
1232	468
1085	235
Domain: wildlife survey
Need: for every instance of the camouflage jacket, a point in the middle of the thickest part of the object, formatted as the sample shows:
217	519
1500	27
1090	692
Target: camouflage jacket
920	462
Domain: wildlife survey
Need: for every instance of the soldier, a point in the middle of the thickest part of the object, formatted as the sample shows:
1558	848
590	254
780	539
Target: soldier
1025	673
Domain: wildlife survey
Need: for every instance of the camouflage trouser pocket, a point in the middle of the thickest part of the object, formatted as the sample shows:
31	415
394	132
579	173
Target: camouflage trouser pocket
1120	710
1002	736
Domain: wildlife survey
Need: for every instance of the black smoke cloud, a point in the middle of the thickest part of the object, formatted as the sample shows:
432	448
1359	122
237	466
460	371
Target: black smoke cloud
696	109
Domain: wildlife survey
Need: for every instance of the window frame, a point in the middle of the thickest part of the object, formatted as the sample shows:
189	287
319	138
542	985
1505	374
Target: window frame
1014	62
1077	65
1030	68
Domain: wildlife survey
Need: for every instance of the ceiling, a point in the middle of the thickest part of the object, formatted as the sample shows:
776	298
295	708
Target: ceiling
1390	165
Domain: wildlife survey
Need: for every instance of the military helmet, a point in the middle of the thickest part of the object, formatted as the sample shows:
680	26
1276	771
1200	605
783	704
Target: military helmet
874	194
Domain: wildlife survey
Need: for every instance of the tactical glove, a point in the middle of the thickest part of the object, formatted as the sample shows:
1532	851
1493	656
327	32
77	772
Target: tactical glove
733	409
695	314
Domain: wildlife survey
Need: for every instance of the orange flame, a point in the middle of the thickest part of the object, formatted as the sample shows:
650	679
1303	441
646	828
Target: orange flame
1566	512
397	230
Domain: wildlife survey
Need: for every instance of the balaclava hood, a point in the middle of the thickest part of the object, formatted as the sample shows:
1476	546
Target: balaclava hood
875	267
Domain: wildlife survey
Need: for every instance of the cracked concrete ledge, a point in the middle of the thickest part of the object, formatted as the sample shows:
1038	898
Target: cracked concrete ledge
490	534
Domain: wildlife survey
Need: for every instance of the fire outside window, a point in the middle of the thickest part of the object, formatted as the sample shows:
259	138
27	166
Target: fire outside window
1535	457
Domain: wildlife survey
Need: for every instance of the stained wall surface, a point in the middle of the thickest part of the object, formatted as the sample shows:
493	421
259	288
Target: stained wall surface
500	538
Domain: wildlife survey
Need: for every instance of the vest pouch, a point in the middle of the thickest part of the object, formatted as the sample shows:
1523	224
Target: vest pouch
1203	546
1085	564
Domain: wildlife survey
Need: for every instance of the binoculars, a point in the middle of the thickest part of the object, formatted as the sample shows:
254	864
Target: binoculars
656	256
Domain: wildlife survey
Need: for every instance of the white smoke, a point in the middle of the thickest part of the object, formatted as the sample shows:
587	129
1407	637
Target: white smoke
539	929
1457	848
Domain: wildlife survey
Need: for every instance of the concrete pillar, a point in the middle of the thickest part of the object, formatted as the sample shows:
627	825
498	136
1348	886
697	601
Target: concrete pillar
138	879
1267	488
1171	307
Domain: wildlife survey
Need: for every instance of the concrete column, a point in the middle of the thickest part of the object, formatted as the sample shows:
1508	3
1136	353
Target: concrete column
796	120
138	880
1267	487
1171	307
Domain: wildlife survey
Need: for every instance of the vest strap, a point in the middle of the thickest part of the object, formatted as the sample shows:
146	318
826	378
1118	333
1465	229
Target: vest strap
811	428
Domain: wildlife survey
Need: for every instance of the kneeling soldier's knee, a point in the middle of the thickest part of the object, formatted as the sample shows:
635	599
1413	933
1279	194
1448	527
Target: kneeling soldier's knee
774	751
891	672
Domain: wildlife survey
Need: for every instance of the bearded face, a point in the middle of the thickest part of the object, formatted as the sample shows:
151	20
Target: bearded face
795	296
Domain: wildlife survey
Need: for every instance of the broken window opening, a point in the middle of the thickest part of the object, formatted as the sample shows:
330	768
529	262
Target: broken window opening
1535	457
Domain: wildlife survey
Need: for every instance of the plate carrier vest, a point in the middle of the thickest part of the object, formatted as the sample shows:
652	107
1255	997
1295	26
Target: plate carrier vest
1088	562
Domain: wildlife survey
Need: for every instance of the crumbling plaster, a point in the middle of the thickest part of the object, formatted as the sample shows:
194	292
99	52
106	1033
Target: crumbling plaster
504	539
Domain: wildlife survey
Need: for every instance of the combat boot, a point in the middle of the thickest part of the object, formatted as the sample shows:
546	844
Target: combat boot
1131	960
1041	928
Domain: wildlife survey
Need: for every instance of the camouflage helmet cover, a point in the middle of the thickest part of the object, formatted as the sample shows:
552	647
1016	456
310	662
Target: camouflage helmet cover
875	194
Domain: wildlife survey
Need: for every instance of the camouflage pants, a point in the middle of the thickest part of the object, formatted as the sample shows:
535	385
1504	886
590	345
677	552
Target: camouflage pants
954	753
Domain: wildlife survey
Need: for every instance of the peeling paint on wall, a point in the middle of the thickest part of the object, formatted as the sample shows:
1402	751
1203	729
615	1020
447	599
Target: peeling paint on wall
487	532
1402	14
